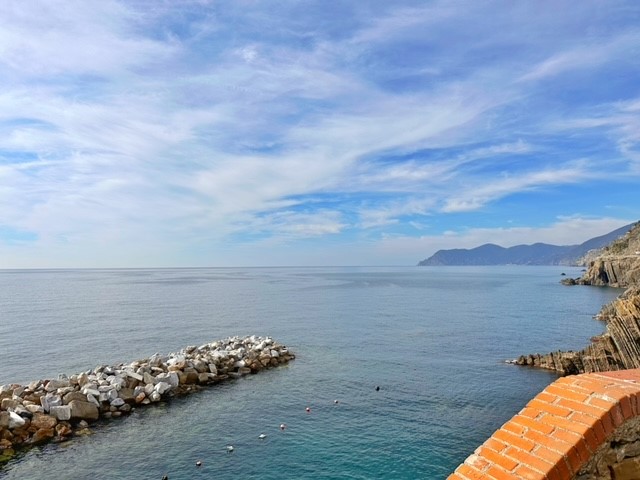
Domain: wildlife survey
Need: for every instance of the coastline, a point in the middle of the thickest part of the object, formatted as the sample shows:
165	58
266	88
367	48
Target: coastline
618	348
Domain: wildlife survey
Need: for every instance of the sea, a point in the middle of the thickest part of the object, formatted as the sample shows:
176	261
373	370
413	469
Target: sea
433	339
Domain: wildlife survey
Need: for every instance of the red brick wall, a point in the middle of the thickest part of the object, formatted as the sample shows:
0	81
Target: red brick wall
558	431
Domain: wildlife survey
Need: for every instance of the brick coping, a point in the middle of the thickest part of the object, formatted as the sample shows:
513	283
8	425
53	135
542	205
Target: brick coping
558	431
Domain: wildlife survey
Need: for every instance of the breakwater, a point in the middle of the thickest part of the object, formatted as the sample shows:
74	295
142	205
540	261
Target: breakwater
57	409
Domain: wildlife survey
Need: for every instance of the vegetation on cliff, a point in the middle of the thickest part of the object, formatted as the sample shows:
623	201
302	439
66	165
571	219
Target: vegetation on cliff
618	264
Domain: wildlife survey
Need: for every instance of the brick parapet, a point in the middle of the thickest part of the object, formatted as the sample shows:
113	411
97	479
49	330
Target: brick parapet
558	431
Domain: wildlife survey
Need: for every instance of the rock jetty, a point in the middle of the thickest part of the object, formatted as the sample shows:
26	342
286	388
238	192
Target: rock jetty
57	409
618	348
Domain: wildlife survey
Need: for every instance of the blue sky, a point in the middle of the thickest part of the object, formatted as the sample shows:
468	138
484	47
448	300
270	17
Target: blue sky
209	133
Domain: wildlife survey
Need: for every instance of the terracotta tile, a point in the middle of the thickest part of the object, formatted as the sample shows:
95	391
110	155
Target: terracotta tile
550	441
513	428
515	440
582	407
564	423
566	392
495	444
470	473
497	473
527	473
530	423
531	460
560	471
584	419
498	459
549	408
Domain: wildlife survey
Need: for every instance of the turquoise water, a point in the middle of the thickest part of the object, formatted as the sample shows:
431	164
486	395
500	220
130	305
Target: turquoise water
433	338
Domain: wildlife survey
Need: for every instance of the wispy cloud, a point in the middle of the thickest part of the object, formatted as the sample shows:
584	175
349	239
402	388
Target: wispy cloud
476	196
590	54
195	126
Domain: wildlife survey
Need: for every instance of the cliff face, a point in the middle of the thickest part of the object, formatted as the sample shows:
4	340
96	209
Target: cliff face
615	271
619	347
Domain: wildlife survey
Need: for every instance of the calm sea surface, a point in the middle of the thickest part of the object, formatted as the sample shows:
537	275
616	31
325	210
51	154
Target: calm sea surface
433	338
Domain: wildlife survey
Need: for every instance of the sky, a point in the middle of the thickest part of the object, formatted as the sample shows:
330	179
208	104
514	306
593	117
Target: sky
165	133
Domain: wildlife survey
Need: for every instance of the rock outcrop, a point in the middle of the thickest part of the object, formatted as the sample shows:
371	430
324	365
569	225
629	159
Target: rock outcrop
59	408
619	347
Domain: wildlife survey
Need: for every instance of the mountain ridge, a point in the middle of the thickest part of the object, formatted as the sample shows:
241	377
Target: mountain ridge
533	254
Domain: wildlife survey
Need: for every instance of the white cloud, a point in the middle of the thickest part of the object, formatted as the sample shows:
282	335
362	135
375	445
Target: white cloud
59	37
292	224
185	125
475	196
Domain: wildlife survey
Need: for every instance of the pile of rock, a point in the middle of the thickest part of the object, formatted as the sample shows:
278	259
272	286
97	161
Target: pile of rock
57	409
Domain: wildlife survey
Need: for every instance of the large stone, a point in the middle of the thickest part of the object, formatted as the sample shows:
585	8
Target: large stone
34	408
627	469
83	410
134	375
162	387
200	366
117	382
42	435
73	396
112	395
42	420
188	378
94	400
126	394
148	378
53	385
170	377
63	429
4	420
9	403
155	360
61	412
83	379
15	421
50	400
90	390
117	402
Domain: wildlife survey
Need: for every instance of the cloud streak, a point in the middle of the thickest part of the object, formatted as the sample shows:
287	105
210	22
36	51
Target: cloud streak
196	127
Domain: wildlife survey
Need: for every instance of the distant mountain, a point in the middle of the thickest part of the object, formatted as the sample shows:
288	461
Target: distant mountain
536	254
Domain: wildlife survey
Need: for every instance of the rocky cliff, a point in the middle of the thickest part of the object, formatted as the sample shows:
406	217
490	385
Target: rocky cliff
619	347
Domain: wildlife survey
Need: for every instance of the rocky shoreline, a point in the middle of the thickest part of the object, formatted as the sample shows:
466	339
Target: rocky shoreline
58	409
618	348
